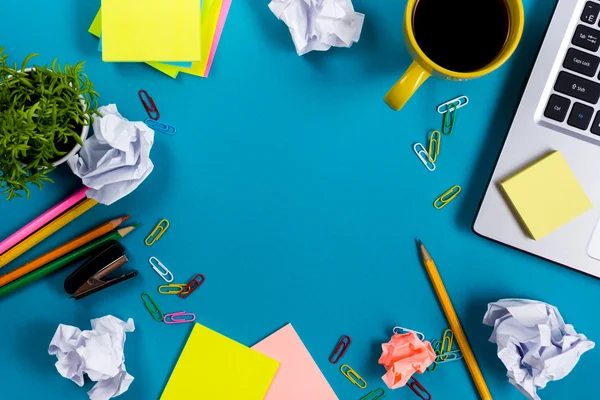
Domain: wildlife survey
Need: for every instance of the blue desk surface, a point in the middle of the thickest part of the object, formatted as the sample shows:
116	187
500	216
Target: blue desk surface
296	192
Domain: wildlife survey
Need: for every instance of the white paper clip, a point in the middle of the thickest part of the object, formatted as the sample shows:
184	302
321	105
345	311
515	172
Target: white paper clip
400	330
450	356
461	100
423	155
157	266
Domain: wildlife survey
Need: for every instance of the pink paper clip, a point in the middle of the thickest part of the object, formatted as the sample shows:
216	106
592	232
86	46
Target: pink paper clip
191	286
179	318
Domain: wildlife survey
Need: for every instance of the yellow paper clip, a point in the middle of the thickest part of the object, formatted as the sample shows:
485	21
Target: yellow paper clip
353	376
447	197
435	141
172	288
157	232
447	341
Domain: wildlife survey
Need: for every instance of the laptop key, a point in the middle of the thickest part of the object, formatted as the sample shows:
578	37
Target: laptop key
575	86
596	125
581	115
590	12
579	61
557	108
587	38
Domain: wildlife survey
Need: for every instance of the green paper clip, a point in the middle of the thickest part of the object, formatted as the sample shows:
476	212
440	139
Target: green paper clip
434	364
449	110
374	395
449	119
436	345
151	306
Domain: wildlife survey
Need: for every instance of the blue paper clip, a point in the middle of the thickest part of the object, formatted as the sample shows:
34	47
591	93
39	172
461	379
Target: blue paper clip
374	395
398	330
161	127
423	155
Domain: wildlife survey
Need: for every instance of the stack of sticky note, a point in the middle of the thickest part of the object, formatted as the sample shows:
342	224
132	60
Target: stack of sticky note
213	366
546	195
172	37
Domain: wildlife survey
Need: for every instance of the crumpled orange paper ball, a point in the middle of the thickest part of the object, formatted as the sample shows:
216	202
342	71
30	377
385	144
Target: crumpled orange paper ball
404	355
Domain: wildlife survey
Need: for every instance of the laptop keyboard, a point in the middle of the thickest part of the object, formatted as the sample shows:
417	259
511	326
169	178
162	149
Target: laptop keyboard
578	85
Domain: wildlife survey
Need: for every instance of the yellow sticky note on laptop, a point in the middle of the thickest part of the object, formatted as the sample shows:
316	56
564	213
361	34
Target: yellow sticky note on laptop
151	30
546	195
212	366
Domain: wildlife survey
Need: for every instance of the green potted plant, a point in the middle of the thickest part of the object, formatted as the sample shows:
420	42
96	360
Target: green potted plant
45	115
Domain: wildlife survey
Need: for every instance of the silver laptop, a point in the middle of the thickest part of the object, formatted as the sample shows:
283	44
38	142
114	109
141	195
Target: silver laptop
559	110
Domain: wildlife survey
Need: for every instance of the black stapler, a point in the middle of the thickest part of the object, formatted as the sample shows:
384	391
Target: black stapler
91	276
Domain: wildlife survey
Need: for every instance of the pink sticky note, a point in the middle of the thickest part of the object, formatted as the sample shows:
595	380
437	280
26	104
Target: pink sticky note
298	377
218	31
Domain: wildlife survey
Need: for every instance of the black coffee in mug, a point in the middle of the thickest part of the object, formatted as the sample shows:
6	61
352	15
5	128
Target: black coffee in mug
461	35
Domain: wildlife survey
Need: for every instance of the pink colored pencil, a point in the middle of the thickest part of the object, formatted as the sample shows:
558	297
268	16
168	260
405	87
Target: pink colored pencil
42	220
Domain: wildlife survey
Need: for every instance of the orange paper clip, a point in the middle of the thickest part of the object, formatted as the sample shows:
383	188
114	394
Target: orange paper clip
340	349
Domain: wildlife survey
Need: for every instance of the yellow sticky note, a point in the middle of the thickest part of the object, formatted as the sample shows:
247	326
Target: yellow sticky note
151	30
546	195
212	366
96	30
96	27
210	17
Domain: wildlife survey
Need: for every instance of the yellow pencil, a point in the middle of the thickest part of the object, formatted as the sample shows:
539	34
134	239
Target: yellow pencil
46	231
459	334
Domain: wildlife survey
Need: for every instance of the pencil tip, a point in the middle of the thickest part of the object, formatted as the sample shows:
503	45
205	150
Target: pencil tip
125	218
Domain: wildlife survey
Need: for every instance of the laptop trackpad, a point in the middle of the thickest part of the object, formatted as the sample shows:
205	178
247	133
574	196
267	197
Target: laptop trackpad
594	246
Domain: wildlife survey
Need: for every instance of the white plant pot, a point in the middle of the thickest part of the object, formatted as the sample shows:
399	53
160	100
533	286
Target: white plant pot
84	133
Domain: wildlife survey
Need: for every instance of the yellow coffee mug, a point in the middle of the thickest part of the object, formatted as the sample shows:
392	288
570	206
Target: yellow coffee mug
423	67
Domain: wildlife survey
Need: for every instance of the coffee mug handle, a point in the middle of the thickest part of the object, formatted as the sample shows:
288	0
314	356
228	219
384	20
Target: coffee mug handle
399	94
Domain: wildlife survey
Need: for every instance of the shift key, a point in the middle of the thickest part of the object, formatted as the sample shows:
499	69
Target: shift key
577	87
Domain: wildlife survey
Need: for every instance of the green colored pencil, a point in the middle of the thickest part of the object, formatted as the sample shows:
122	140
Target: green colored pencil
65	260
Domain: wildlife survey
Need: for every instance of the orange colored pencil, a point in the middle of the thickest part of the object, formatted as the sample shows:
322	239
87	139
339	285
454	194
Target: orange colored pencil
62	250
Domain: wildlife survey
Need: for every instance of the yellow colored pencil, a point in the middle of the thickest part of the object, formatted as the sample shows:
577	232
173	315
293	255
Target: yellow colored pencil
459	334
47	231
